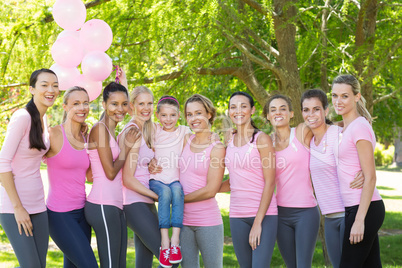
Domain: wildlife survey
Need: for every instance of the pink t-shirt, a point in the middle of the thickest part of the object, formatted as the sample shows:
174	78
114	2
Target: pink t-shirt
293	184
145	154
246	180
168	148
66	172
193	176
105	191
324	174
24	163
348	159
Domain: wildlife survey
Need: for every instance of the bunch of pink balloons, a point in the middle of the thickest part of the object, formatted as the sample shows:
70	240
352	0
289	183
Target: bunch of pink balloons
86	47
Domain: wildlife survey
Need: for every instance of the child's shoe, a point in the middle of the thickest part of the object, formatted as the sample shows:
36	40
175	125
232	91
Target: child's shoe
175	255
164	256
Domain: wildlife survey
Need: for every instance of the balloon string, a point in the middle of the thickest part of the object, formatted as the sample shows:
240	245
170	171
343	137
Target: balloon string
116	68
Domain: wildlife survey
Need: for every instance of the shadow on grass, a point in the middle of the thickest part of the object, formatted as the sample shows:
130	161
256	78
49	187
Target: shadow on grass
393	220
385	188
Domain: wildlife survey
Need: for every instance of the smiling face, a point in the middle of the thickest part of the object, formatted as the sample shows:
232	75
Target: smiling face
343	99
168	115
197	116
278	113
313	113
143	107
77	106
240	110
45	91
116	106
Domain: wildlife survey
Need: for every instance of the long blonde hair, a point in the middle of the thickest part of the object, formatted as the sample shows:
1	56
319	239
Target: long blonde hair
354	83
148	128
66	96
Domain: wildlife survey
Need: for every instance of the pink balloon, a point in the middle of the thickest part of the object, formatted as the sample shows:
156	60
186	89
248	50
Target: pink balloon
69	14
67	51
96	35
97	65
67	77
67	33
94	88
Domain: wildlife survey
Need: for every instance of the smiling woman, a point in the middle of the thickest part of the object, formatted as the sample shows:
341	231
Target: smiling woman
22	209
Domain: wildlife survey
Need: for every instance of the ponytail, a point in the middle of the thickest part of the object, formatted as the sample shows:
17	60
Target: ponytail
256	129
362	110
36	131
147	133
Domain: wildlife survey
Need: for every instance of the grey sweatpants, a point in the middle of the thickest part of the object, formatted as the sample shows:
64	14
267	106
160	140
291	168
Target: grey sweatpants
30	250
334	231
297	235
205	239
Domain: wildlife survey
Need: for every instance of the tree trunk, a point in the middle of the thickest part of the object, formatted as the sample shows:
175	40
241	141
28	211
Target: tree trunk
398	147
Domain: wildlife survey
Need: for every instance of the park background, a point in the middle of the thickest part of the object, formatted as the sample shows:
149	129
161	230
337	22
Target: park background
216	47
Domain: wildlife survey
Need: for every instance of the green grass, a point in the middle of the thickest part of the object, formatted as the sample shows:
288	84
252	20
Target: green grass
390	248
391	168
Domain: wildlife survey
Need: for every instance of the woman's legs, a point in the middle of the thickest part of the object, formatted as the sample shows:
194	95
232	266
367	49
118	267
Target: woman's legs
111	233
367	252
190	249
334	232
72	234
30	250
210	243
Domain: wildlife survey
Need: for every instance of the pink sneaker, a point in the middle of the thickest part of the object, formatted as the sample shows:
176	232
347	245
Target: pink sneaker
164	256
175	255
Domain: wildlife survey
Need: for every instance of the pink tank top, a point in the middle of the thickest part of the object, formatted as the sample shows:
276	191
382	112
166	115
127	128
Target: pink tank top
105	191
145	154
324	174
66	172
246	180
193	176
293	184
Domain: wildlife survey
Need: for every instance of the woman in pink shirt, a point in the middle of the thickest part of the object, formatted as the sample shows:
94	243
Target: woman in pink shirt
201	173
298	215
23	213
364	207
253	210
67	165
104	205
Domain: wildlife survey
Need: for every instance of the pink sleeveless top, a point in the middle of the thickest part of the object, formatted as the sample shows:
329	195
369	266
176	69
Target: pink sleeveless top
145	154
293	184
324	174
246	180
105	191
193	176
66	172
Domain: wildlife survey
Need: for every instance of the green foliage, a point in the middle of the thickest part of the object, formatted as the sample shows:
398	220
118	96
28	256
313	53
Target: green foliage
383	157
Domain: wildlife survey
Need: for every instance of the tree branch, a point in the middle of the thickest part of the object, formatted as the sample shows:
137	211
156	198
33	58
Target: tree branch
257	6
49	18
132	44
385	97
13	85
263	43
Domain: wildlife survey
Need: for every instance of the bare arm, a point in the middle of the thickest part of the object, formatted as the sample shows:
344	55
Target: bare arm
266	149
56	141
225	187
366	158
214	177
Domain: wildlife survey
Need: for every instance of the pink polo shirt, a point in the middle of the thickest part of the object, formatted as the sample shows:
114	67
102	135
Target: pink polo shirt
348	161
24	163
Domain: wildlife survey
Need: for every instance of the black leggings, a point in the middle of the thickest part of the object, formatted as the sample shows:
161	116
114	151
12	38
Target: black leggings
366	253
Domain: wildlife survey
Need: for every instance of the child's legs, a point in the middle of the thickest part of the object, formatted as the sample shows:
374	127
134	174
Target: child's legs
164	200
177	204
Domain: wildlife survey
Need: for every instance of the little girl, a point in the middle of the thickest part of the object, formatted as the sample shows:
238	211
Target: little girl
168	147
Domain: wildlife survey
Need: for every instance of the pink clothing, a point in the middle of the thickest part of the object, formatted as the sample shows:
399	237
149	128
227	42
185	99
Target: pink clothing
324	174
246	180
293	184
168	148
105	191
24	163
193	176
145	154
66	172
348	159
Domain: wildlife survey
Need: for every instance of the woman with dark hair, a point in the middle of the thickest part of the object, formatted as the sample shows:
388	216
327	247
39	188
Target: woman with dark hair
67	166
23	213
104	205
364	207
250	158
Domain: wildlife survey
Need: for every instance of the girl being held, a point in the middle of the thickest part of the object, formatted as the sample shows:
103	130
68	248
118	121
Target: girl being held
168	147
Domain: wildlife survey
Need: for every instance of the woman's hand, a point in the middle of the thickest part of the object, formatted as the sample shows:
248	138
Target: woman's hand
357	232
358	182
255	236
84	130
132	136
153	167
122	77
23	221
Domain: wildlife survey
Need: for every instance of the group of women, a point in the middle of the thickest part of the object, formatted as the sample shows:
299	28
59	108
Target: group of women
257	163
